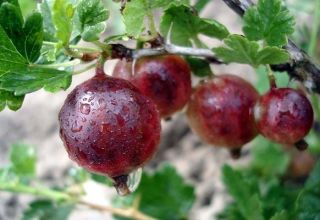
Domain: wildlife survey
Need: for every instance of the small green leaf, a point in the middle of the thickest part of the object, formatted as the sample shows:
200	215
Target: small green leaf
283	215
133	16
33	31
245	193
269	21
92	18
199	67
186	26
62	18
30	79
119	37
23	159
201	4
163	194
47	210
240	50
48	26
136	10
8	98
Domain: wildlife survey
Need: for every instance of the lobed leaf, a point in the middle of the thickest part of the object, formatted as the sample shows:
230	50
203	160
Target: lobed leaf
199	67
62	15
9	99
268	21
240	50
186	26
91	17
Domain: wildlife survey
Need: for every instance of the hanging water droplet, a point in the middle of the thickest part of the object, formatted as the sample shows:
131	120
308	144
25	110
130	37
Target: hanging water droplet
85	109
134	179
75	127
127	184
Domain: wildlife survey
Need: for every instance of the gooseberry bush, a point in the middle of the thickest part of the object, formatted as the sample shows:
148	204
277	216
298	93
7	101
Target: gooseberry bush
110	125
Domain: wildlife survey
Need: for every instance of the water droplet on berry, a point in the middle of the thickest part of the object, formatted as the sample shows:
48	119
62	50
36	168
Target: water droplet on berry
85	109
75	127
127	184
134	179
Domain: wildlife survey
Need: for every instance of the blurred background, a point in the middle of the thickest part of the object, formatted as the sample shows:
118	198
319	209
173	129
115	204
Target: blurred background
36	124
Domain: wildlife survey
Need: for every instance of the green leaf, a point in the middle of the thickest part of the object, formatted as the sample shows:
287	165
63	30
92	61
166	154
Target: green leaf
12	21
23	159
163	194
92	18
47	210
10	58
133	16
199	67
240	50
30	79
136	10
62	18
9	99
309	200
186	26
201	4
277	162
245	194
269	21
48	26
79	175
33	31
283	215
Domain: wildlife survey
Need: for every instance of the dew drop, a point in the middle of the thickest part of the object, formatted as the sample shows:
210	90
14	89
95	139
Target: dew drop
83	119
75	127
85	109
127	184
102	103
92	122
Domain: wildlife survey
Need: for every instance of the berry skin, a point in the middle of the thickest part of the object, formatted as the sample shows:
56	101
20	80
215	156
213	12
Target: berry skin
165	79
220	111
284	115
109	127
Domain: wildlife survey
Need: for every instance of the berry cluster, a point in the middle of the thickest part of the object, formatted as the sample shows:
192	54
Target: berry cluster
111	125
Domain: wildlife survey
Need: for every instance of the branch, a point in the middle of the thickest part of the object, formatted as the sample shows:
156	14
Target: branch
119	51
300	66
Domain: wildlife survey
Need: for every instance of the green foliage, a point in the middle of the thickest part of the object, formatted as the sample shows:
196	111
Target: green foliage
62	16
277	162
240	50
48	26
269	21
47	210
309	200
185	26
136	11
163	194
199	67
92	17
27	37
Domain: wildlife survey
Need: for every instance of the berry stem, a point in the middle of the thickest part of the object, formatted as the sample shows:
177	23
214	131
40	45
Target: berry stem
88	67
100	66
57	65
272	79
77	47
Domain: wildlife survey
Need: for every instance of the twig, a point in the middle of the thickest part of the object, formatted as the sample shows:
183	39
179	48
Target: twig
300	66
131	213
120	51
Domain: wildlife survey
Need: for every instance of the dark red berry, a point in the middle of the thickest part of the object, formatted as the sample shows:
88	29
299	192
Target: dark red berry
284	115
109	127
221	112
165	79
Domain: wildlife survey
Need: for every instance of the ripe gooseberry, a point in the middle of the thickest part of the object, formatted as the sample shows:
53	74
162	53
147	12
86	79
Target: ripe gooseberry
165	79
220	111
284	115
109	127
